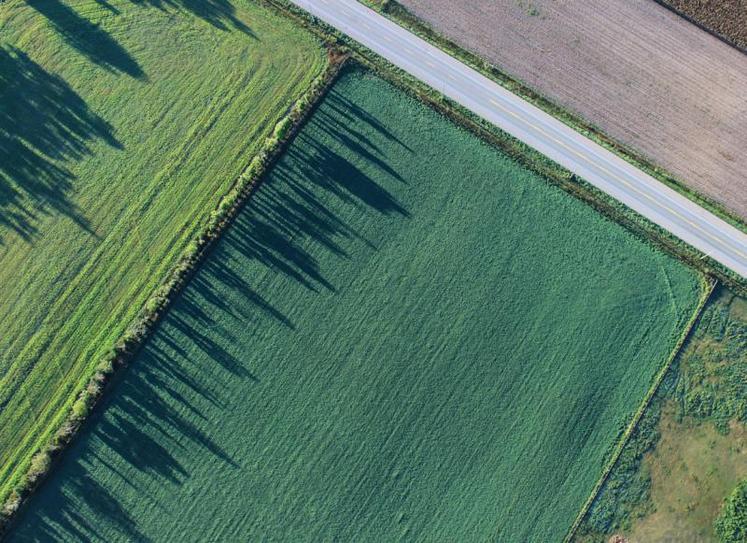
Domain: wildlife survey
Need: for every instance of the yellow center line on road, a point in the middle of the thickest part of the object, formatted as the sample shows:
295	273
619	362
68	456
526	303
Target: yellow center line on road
617	177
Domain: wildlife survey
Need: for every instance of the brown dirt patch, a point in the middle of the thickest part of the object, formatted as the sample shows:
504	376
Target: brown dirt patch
693	469
727	18
645	76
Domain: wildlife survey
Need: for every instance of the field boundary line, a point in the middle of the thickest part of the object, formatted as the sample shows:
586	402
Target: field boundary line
709	286
704	28
156	307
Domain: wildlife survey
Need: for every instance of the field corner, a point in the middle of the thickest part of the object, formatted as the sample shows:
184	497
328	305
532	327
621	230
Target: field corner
708	286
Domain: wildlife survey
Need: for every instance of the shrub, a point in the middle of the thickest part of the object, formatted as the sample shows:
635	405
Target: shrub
282	128
152	305
272	142
80	407
94	388
106	366
63	434
731	524
12	504
39	464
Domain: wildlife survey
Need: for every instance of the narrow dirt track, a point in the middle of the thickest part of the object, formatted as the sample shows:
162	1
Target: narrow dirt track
643	75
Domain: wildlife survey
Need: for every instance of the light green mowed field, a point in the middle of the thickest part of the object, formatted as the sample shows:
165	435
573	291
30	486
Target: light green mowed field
121	125
404	336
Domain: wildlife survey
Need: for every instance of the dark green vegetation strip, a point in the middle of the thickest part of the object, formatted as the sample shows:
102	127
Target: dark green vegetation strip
122	124
707	384
404	335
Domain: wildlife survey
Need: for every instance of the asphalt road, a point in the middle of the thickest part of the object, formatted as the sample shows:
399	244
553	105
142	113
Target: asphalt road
590	161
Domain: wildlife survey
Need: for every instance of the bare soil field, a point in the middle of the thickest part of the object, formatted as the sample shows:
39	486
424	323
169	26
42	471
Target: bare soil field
643	75
727	18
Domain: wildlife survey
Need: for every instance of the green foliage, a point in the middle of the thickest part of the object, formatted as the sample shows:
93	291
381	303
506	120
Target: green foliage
39	464
152	305
403	335
713	383
731	524
106	366
80	407
123	125
281	129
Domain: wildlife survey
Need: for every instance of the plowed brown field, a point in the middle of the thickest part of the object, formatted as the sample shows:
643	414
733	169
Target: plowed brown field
645	76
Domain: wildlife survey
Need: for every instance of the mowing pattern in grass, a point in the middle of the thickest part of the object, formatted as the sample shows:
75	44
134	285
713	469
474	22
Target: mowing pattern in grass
405	335
121	125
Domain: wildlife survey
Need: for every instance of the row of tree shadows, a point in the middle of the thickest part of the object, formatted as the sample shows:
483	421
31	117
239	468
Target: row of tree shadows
150	415
102	49
45	126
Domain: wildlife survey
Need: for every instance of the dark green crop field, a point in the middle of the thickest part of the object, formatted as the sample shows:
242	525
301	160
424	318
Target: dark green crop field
122	123
405	335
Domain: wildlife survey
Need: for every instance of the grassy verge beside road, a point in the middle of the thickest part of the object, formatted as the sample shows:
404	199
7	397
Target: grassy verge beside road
405	18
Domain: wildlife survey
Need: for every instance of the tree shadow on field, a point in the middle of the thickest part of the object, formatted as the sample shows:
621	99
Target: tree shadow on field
102	49
44	123
88	38
108	6
74	525
219	13
194	370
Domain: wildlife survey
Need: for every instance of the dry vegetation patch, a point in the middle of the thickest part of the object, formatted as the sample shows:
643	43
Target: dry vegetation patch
692	469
